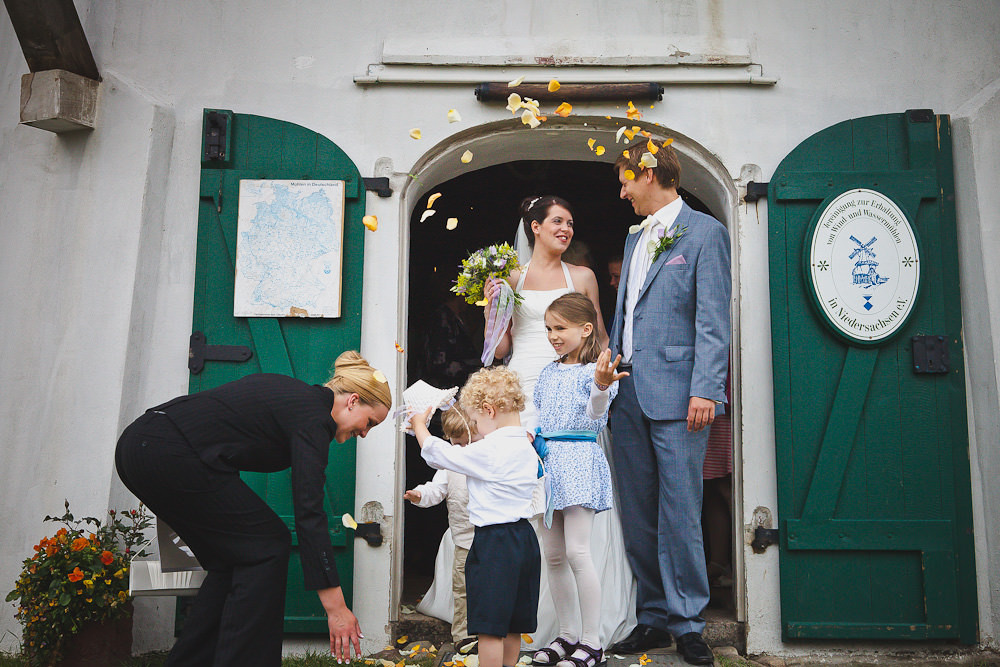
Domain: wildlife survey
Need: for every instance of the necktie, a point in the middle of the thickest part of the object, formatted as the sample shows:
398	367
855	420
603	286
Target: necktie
642	225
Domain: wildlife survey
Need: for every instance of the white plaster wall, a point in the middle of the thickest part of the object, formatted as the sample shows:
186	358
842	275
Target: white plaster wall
76	226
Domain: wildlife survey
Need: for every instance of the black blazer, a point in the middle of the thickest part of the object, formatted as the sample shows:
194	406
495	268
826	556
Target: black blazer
266	423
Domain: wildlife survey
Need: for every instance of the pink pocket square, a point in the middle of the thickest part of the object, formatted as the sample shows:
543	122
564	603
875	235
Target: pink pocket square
679	259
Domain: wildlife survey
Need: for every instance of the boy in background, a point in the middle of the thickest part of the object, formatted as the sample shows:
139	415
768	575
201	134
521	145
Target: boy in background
504	564
447	484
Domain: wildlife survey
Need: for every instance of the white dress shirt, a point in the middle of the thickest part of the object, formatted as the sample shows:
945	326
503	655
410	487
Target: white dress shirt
501	471
453	486
639	266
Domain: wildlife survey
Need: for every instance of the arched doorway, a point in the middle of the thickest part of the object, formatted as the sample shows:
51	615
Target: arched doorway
510	162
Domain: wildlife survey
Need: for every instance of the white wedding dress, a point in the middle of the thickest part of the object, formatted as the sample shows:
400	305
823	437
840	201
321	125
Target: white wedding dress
530	352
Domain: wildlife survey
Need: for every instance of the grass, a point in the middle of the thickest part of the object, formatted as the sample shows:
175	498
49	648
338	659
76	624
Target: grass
158	659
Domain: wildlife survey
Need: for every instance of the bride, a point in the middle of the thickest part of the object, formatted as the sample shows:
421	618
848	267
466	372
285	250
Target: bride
547	222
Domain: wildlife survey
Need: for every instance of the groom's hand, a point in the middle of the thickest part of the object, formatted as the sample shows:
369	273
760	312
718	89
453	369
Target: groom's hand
701	413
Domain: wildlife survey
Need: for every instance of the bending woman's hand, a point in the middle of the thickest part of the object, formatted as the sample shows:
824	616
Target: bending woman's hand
344	628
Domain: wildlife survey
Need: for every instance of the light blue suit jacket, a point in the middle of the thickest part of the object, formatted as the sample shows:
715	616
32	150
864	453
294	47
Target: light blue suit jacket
681	323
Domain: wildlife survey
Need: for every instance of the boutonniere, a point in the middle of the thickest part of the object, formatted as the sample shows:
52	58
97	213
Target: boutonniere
664	240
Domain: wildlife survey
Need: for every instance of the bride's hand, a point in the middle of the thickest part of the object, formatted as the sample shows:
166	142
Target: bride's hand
492	287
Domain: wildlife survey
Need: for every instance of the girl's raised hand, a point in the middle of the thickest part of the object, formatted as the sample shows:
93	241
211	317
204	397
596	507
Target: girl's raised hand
604	373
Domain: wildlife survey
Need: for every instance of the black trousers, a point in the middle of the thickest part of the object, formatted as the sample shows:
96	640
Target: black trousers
243	545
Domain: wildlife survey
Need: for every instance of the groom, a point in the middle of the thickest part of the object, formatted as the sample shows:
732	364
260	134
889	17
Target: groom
672	329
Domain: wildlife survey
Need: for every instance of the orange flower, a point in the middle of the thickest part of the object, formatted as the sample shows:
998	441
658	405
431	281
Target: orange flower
80	543
76	575
61	532
107	557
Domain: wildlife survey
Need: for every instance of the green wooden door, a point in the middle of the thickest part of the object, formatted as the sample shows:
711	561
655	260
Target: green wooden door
874	494
263	148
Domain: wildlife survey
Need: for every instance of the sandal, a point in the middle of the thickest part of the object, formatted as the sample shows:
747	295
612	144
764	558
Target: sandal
595	658
550	655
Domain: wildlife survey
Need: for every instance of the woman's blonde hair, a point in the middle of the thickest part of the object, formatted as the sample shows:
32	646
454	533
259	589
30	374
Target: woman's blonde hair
353	375
578	309
455	423
499	386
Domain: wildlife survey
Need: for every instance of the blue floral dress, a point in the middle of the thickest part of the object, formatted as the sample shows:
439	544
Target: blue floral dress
579	471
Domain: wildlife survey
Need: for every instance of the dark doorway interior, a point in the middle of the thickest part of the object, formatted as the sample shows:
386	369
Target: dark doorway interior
485	202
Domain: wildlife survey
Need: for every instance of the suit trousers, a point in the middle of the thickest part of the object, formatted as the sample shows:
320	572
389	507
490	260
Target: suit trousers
238	615
658	466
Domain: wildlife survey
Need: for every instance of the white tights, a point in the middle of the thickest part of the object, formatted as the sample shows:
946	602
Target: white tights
568	557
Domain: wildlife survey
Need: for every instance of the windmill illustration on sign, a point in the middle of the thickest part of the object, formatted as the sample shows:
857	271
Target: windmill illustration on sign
865	272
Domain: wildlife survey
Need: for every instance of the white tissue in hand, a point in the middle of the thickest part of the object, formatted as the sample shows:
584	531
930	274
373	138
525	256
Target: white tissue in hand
419	396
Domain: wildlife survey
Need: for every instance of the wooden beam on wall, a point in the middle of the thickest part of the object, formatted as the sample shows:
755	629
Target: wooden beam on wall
52	36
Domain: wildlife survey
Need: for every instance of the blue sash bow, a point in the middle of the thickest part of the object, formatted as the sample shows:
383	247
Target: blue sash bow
540	443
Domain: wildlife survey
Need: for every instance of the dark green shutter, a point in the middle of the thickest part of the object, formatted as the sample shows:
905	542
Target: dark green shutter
874	494
264	148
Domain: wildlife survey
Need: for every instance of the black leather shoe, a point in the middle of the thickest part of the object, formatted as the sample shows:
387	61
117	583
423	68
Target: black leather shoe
694	650
642	638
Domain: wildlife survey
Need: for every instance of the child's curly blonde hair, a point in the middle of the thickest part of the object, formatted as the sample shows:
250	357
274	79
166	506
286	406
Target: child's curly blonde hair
499	386
456	424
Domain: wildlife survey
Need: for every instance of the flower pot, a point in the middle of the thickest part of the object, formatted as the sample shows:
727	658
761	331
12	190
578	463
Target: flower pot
106	644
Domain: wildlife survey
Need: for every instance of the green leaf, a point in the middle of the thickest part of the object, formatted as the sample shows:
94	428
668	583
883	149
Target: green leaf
13	595
65	598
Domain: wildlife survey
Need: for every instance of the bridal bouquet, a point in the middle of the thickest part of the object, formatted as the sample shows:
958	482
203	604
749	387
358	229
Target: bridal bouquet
491	262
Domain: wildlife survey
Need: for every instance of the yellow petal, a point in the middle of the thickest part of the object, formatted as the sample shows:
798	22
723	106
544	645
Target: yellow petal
646	134
629	174
484	302
399	348
632	112
426	214
530	119
625	153
466	157
599	150
554	86
527	639
648	160
379	376
591	142
514	102
453	116
628	134
531	104
433	198
564	109
636	129
516	82
415	133
402	640
667	142
371	222
451	224
651	147
349	521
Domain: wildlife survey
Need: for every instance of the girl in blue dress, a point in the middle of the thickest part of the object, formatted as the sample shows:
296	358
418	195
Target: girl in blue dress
572	395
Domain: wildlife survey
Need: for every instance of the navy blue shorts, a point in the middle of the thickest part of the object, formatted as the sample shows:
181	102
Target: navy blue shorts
501	579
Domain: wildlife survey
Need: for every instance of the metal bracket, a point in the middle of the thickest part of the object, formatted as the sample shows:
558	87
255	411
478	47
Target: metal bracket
370	533
199	351
763	538
755	191
930	354
379	185
216	137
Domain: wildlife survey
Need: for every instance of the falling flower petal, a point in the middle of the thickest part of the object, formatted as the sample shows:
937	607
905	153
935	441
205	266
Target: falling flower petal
402	640
629	174
415	133
619	133
646	134
528	103
591	142
514	102
433	198
484	302
554	86
426	214
530	119
599	150
466	157
349	521
527	639
399	348
453	116
564	109
379	376
667	142
647	160
628	134
651	147
371	222
451	224
625	153
632	112
516	82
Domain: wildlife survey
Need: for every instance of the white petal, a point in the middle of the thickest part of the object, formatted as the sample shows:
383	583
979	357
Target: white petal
516	82
426	214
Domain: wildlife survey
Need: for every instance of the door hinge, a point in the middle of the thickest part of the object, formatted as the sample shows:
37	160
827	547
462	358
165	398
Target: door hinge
930	354
379	185
755	191
216	133
199	351
763	538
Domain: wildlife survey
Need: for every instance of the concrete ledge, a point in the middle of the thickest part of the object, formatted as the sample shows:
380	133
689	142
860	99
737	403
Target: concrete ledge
58	101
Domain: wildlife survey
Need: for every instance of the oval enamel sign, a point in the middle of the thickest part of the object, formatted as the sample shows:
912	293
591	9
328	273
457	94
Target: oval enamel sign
864	265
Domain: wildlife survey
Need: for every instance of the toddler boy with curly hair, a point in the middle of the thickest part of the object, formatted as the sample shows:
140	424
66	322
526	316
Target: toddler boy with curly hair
503	567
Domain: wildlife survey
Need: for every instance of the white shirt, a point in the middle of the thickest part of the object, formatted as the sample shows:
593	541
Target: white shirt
639	266
453	486
501	471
